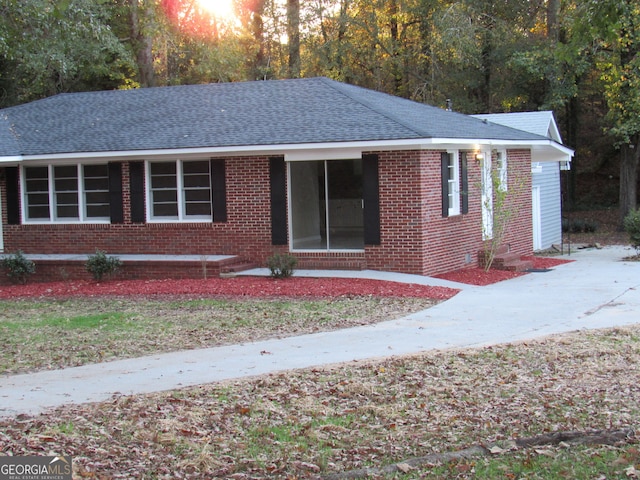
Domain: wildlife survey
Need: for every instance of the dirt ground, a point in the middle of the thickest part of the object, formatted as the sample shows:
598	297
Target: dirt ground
606	232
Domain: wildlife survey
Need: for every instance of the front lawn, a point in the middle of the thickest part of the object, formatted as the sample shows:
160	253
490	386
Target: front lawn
414	416
48	333
323	421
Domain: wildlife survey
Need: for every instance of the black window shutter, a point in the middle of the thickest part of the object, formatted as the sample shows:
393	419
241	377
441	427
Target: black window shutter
444	165
278	180
136	185
464	183
371	198
115	192
13	196
218	190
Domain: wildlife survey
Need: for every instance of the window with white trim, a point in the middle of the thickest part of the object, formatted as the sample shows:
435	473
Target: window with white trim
453	183
96	191
66	193
180	190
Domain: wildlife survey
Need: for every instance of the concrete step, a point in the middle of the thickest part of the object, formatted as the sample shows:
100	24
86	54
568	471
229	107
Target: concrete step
515	266
505	260
231	269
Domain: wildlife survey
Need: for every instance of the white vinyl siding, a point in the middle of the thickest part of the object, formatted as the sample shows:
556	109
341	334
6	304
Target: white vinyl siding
548	179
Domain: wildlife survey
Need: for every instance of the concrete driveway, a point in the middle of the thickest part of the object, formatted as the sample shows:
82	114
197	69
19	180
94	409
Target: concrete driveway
598	289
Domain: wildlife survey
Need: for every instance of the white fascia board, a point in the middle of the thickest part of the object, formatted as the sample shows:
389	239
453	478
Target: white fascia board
10	160
541	150
551	153
292	152
554	131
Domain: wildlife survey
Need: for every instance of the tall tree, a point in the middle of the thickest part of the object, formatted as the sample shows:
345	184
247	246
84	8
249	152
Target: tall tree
293	37
611	30
50	47
141	22
252	13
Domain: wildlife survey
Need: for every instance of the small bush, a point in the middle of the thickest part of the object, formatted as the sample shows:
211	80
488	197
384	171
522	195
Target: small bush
631	224
100	264
18	267
590	226
282	265
579	226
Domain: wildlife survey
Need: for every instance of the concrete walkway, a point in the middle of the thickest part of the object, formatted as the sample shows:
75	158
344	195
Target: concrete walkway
597	290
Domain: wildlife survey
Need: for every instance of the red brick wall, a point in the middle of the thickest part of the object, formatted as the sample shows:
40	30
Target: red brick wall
415	238
519	231
451	242
401	185
246	233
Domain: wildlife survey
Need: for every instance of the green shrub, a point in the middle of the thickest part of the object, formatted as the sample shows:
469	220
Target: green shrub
590	226
579	226
281	265
100	264
18	267
631	224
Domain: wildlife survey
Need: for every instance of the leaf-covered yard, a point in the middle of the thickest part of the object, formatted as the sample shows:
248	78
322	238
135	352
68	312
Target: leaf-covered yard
317	422
57	325
323	422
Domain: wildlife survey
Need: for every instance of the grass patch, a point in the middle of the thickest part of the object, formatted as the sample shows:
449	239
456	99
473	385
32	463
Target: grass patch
62	333
541	464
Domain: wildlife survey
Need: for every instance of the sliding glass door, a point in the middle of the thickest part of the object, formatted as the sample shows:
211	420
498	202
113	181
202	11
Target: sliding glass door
326	205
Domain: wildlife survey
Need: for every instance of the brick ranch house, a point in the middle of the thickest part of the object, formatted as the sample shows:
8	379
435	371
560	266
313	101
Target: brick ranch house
339	176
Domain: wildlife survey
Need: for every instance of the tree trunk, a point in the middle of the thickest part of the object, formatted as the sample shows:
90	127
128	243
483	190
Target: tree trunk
553	10
293	32
396	71
259	64
142	47
629	178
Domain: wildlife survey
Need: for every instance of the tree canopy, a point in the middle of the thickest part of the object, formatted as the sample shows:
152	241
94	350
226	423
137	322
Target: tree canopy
576	57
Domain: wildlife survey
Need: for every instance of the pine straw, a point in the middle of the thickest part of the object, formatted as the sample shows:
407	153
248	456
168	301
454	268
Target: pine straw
316	422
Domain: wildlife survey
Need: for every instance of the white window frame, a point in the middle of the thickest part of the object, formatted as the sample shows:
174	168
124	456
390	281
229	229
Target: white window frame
80	191
453	183
85	191
182	217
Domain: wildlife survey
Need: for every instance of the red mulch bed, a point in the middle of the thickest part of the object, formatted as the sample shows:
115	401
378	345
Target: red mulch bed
232	287
478	276
300	287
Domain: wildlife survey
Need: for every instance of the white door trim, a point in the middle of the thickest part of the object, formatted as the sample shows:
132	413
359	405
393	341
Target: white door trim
536	218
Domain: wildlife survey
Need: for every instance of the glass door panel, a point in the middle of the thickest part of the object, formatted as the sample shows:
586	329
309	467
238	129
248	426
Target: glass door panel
326	205
345	214
308	205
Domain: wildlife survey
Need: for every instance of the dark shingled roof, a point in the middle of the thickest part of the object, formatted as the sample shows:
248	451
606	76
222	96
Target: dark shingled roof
8	144
301	111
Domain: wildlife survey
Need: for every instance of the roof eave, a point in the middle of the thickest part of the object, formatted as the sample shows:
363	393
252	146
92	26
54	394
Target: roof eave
306	151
